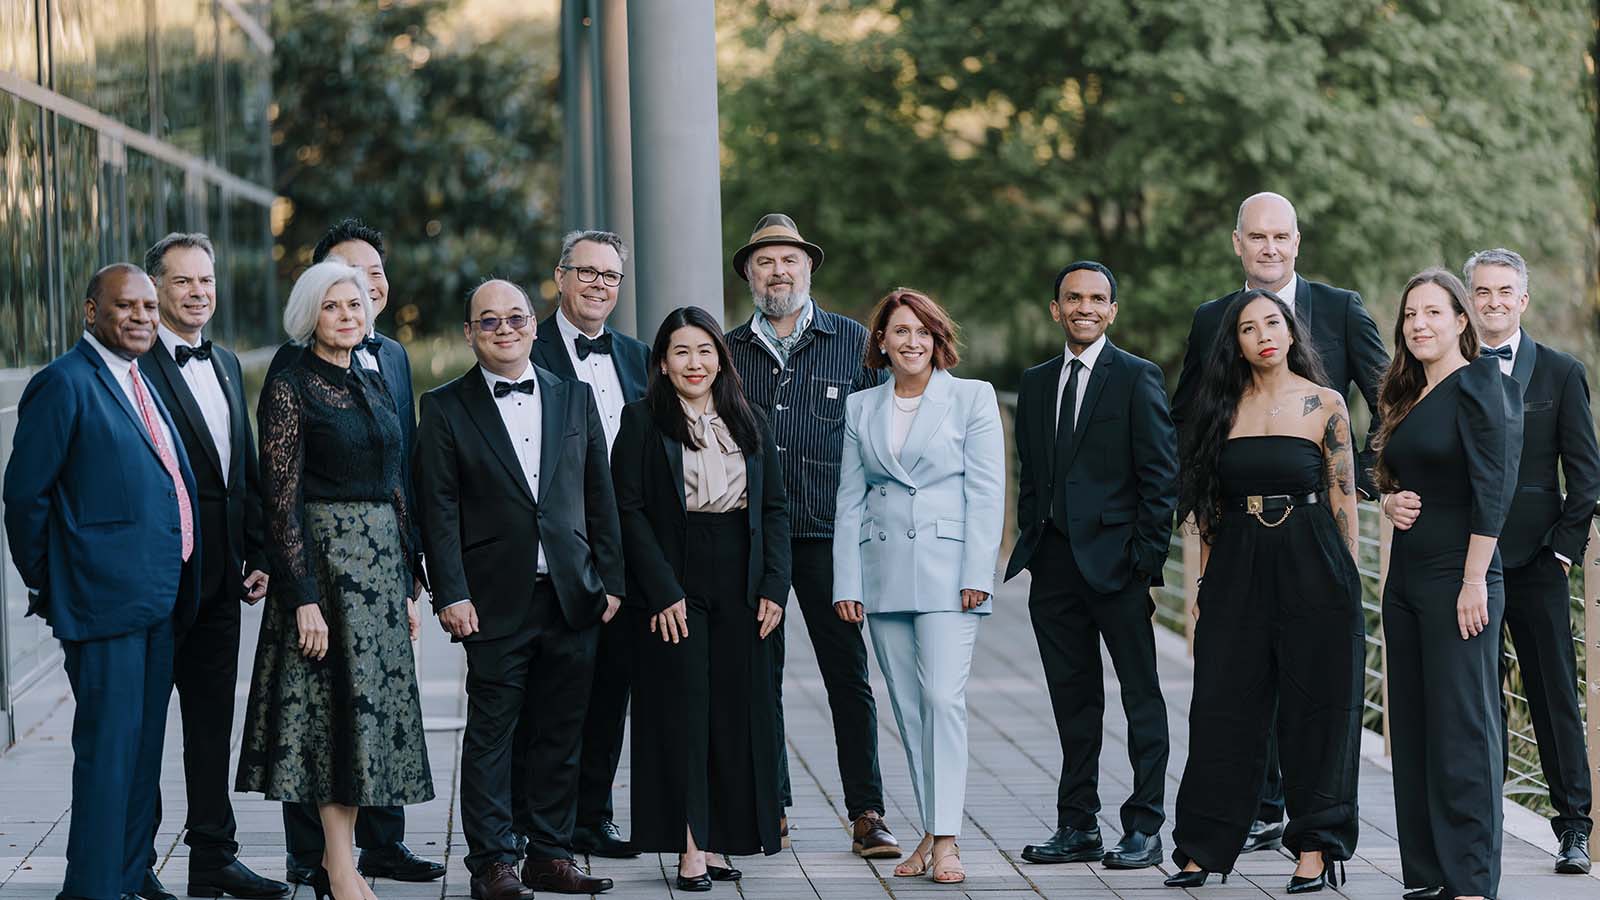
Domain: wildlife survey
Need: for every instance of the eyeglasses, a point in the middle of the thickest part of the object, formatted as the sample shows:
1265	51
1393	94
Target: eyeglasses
587	275
491	324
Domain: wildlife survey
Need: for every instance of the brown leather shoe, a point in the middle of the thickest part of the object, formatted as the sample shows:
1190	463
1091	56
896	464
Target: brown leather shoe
500	882
871	838
561	876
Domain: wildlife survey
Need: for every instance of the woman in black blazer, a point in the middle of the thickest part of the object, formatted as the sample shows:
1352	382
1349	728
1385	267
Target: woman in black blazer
705	531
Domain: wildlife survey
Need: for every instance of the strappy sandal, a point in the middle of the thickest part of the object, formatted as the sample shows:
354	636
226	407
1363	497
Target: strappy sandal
916	864
949	875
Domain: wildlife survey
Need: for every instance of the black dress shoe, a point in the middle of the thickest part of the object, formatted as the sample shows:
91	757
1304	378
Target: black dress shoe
1573	859
1196	878
1425	893
603	840
153	889
1067	845
1263	836
398	862
1328	877
723	873
235	878
1136	850
295	873
695	884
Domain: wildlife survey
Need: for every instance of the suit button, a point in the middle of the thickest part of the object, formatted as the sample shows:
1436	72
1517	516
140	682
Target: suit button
774	371
882	536
883	491
911	533
913	492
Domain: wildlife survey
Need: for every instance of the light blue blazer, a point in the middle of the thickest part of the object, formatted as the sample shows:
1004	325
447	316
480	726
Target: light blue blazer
912	531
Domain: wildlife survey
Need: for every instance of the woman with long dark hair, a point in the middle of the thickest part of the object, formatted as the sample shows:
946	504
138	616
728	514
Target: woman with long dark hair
1268	469
1452	436
705	530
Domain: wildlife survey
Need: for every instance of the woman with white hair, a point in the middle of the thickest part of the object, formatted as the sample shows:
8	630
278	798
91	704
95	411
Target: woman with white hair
333	716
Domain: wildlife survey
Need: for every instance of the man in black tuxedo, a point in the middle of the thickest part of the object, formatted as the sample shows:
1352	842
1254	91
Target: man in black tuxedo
1097	469
522	538
1544	534
202	386
1266	238
575	343
380	830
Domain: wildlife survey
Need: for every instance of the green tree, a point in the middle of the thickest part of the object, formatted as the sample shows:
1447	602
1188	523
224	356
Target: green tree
972	146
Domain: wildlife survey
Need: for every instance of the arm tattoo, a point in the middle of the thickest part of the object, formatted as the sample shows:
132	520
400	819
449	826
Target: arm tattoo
1336	453
1343	521
1312	404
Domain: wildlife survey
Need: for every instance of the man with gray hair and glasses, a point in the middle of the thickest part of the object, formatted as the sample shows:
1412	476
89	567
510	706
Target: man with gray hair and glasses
202	386
1543	534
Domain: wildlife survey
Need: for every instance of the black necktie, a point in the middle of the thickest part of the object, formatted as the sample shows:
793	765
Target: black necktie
502	388
1065	422
371	344
1501	352
587	345
186	352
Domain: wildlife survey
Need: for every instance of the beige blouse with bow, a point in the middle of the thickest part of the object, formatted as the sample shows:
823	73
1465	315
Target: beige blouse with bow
713	469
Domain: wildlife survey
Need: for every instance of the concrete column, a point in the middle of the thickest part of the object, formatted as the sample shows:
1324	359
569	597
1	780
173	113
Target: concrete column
579	107
677	193
616	150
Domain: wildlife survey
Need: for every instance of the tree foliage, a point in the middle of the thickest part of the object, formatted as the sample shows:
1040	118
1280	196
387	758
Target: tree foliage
971	147
451	148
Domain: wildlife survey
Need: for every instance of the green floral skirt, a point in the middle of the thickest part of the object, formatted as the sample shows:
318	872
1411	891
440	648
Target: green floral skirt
347	728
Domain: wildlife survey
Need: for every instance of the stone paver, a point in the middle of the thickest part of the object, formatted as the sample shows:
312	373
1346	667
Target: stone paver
1015	759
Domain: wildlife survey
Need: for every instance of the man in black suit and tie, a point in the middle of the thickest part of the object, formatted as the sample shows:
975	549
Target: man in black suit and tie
575	343
1266	238
1544	534
380	830
521	533
1097	471
202	386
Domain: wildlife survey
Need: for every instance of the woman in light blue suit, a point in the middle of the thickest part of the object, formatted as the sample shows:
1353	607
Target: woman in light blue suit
915	543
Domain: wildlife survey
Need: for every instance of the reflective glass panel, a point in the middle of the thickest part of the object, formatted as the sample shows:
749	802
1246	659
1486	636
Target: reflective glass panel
85	219
146	210
246	93
24	295
186	57
250	274
19	38
101	57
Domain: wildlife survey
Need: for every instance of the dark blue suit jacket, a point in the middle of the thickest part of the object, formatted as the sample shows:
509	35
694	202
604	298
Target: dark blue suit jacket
90	512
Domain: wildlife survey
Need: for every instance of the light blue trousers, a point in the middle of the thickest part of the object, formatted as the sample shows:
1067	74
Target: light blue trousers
926	658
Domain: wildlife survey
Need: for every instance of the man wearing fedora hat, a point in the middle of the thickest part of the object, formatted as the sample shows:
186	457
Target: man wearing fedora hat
798	363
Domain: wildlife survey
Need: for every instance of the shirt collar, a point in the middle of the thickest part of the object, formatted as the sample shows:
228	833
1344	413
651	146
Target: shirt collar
118	365
569	331
763	326
1515	343
1088	356
1287	294
492	379
172	340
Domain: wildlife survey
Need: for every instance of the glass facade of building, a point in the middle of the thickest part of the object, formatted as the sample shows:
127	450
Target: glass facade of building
121	120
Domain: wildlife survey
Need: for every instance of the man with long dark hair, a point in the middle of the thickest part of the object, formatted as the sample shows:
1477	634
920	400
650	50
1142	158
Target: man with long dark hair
1097	468
1266	238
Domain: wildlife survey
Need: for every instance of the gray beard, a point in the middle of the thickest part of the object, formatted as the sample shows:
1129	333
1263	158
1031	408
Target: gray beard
774	308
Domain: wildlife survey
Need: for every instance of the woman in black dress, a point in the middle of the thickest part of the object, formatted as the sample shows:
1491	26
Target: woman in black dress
1451	436
705	530
1269	471
333	716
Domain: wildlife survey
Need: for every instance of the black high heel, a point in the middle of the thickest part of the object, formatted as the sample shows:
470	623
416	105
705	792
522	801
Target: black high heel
723	873
320	883
1182	879
1328	877
693	883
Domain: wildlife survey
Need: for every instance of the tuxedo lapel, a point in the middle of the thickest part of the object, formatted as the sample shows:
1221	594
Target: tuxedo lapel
674	451
879	421
551	353
1042	407
178	389
630	368
476	398
553	397
1091	397
1304	304
1522	365
930	415
389	366
238	425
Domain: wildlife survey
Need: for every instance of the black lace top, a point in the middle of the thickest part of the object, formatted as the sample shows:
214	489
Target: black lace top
328	434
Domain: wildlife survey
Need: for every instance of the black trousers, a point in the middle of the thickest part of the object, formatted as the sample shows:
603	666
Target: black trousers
1539	623
205	669
607	718
1069	620
1270	807
525	710
377	828
842	657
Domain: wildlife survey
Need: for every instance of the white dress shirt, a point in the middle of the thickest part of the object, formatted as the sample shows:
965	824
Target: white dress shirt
1088	357
1515	344
204	383
1287	294
599	372
368	360
122	369
521	414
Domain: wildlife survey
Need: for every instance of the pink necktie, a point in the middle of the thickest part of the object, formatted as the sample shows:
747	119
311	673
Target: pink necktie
147	411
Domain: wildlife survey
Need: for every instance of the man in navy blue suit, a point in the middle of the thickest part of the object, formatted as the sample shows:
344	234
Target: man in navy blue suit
380	830
100	513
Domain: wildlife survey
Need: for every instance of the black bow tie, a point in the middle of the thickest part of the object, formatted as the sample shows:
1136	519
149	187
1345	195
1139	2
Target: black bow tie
186	353
587	345
502	388
1501	352
371	343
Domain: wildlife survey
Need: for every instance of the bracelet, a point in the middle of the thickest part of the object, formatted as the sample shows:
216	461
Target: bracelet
1475	583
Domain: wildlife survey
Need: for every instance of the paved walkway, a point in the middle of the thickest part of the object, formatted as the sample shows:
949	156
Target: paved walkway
1010	799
